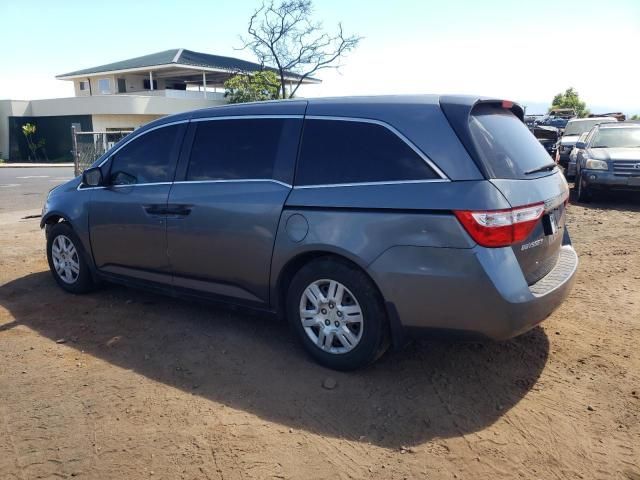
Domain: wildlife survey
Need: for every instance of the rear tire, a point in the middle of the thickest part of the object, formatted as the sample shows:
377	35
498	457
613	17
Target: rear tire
331	293
67	260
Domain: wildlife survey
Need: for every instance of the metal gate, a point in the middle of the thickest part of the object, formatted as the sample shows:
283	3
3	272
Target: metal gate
89	146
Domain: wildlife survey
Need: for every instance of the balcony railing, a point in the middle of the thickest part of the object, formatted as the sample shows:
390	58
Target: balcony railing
189	94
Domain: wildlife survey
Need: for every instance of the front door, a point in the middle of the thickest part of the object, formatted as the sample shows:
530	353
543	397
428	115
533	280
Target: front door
225	210
127	217
122	85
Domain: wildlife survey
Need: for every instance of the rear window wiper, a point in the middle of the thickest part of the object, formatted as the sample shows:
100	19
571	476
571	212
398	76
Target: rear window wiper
545	168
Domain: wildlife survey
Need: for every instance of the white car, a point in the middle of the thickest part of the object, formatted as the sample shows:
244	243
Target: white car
571	166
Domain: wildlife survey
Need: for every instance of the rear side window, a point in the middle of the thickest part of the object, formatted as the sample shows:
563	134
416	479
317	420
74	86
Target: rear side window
337	151
244	149
505	145
149	158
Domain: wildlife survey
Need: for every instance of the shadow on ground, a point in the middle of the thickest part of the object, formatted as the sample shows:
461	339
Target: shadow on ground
250	362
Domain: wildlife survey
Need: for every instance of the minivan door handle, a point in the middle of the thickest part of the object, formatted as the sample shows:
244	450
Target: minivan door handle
178	210
155	210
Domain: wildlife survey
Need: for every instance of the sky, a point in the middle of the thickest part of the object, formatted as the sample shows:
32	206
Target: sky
521	50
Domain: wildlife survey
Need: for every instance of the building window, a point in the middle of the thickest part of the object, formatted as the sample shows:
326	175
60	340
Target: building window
147	84
84	85
104	85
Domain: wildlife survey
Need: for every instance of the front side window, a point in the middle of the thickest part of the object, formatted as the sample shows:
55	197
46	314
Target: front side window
341	151
84	85
242	149
149	158
104	85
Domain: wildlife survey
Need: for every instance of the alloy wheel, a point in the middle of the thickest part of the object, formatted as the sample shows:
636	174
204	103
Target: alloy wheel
65	259
331	316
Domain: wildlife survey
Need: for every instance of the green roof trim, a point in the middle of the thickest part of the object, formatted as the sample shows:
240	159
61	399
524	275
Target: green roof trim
179	56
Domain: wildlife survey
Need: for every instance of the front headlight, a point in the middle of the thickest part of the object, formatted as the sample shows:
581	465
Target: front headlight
592	164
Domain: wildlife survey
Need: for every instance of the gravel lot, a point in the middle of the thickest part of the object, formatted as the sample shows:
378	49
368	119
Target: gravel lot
122	384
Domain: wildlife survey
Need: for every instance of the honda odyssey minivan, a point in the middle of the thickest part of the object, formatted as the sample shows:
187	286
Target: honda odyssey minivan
361	220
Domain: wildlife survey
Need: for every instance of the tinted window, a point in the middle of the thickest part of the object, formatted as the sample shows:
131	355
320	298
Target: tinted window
149	158
576	127
505	145
244	149
335	151
625	137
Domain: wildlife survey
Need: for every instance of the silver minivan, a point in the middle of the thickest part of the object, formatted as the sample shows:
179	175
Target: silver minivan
361	220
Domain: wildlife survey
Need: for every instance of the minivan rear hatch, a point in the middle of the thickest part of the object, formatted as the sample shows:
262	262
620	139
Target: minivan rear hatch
513	160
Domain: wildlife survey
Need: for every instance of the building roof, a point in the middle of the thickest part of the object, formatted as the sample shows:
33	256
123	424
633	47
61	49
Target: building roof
179	57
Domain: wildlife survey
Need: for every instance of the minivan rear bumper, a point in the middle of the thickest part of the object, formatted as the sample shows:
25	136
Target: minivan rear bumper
480	290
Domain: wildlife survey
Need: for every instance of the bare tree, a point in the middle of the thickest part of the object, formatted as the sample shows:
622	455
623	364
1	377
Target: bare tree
284	35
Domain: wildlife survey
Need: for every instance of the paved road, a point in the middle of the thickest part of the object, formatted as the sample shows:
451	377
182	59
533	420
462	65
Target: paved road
26	188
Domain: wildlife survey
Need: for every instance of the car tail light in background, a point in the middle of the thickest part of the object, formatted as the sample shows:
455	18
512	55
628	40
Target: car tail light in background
500	228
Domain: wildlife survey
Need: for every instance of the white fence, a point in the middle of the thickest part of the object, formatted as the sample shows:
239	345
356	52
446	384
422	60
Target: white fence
89	146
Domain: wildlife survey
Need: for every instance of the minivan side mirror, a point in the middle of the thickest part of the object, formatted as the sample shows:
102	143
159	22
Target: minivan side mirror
581	145
92	177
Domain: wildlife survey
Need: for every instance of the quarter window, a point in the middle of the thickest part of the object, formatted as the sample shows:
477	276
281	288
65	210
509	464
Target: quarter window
244	149
149	158
340	151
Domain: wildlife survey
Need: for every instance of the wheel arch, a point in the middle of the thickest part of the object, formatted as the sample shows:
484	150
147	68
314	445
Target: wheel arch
294	264
51	218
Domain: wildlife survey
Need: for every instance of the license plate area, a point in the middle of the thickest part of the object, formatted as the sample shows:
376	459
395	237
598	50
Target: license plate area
634	181
550	222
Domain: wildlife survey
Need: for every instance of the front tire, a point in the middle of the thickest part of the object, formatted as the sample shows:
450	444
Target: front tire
338	314
584	195
67	261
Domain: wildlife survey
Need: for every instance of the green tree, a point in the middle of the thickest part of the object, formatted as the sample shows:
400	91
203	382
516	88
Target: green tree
635	117
29	132
570	99
263	85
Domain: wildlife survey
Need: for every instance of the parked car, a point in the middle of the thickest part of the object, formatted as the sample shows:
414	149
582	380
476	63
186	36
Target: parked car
609	159
548	138
621	117
567	113
532	120
550	121
383	216
573	130
571	166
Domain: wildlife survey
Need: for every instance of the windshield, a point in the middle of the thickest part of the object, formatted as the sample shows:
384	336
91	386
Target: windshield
505	145
616	138
576	128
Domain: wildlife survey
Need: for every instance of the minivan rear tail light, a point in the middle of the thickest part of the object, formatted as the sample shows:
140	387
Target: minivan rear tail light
500	228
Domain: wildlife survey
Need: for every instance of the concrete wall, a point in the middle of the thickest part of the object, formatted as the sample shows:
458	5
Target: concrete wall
119	105
135	109
102	122
10	108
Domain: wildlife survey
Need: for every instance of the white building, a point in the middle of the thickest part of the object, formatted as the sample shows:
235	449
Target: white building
121	96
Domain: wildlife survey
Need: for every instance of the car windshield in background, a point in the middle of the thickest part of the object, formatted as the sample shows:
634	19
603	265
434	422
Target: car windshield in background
576	128
617	138
505	145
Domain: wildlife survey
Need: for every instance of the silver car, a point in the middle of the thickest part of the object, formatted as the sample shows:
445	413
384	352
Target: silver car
360	220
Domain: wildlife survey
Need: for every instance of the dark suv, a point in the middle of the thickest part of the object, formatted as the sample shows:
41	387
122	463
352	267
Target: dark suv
360	219
608	159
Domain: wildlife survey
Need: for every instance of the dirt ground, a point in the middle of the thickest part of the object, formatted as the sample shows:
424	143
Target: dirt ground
121	384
